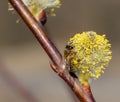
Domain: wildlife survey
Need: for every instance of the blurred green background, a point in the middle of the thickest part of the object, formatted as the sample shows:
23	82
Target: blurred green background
25	58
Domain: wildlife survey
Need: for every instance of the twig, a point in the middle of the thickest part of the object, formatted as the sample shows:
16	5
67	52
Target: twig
58	65
14	83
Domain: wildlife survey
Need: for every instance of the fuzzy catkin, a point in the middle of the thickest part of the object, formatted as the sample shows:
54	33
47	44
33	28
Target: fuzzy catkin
37	6
89	55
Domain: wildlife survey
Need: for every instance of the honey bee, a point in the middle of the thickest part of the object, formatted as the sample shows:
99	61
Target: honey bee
68	55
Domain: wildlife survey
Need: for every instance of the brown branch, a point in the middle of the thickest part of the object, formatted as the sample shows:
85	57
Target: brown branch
58	65
15	84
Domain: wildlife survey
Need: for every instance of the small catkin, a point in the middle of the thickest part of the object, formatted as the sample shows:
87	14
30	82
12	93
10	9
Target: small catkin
37	6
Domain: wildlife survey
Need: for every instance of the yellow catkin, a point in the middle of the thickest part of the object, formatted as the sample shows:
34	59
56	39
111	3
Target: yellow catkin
37	6
90	55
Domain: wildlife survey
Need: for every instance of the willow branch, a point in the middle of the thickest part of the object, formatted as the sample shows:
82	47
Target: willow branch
58	65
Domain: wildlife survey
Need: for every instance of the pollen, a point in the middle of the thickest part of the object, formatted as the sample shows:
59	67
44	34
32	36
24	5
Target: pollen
75	62
91	54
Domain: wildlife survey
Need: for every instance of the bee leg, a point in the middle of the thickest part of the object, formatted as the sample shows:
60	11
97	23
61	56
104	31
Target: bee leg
73	74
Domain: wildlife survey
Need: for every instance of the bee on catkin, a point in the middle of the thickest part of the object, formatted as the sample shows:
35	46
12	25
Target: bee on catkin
87	55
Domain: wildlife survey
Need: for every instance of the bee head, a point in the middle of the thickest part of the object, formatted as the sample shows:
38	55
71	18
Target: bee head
68	47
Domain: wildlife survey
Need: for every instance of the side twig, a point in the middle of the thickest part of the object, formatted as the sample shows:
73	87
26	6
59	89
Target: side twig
58	65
